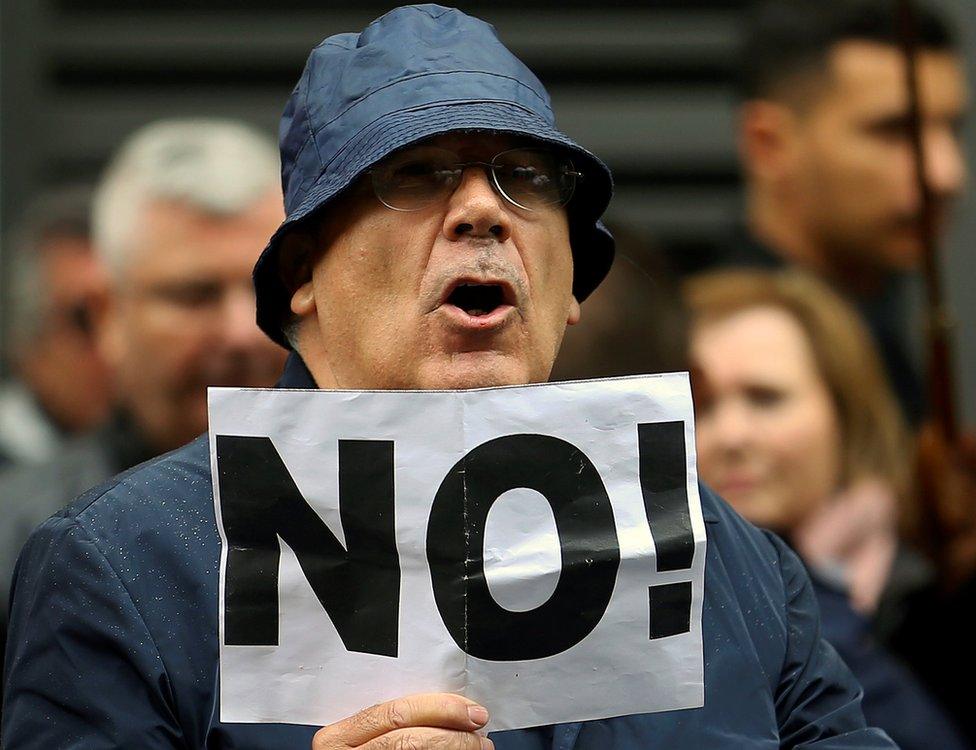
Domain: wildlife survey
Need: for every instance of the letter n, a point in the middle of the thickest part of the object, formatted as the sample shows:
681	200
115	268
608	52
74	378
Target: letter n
358	585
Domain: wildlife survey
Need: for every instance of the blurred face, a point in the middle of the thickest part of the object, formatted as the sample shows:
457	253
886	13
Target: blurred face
767	432
181	317
853	170
469	291
63	367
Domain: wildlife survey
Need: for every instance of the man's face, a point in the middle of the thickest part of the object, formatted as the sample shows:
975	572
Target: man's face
386	306
181	316
854	178
63	366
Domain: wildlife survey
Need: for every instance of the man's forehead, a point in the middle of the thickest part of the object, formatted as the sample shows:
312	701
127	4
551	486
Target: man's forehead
867	72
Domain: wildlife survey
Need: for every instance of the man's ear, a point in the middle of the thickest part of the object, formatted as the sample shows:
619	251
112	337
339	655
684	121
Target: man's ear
574	311
295	269
303	300
767	134
107	325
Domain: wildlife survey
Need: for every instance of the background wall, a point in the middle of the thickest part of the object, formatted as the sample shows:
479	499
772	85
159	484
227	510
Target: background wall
645	85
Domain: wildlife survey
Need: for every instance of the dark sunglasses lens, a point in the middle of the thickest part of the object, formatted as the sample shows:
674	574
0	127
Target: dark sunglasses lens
534	177
415	180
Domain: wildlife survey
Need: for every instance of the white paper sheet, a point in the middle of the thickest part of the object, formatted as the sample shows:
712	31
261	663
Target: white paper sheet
307	675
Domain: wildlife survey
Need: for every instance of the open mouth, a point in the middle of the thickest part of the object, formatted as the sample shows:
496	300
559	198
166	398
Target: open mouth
477	300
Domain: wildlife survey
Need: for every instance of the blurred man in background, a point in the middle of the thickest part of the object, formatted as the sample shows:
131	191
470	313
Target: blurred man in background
831	186
827	156
60	384
180	217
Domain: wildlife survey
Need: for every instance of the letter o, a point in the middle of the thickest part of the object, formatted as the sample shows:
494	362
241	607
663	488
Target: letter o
589	549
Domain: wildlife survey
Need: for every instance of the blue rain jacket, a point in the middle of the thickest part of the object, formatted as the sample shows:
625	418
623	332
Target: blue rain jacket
113	635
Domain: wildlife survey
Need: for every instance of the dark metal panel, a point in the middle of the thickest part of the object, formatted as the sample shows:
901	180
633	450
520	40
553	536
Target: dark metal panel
640	130
624	40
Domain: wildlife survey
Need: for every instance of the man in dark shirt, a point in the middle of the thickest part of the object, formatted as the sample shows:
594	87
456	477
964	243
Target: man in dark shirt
827	158
831	187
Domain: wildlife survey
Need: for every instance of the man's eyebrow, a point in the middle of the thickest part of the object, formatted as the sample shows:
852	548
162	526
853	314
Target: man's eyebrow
187	288
889	121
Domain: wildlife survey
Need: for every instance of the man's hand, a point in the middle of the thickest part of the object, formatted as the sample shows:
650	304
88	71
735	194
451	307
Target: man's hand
433	721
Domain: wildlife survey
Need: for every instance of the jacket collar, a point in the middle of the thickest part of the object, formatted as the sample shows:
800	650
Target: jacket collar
296	375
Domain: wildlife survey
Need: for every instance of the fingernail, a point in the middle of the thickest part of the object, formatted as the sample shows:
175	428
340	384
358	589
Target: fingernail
478	715
487	744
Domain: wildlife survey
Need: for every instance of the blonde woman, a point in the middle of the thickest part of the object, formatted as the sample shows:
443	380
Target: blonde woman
798	430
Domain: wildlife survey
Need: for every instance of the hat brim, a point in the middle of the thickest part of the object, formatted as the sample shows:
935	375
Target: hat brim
592	245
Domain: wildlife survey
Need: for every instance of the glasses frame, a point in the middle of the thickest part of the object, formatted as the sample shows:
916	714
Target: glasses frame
569	169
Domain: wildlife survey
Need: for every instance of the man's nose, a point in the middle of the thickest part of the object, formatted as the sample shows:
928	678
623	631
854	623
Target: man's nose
238	328
476	209
944	163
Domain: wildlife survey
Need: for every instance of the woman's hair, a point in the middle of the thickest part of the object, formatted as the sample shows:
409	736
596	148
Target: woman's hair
875	438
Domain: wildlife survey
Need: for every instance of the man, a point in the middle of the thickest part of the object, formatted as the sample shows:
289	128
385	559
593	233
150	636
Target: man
827	157
440	232
60	385
831	187
179	218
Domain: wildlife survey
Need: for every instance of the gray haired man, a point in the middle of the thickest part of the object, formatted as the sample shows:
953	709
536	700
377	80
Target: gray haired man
180	216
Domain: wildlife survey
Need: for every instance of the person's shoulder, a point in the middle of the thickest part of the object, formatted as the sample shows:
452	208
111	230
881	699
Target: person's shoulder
178	471
734	534
153	528
751	563
170	492
79	463
132	566
32	492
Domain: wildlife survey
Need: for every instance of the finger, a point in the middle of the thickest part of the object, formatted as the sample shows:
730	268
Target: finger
442	710
425	738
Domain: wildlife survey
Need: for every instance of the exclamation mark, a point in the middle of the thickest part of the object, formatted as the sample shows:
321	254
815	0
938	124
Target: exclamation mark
664	485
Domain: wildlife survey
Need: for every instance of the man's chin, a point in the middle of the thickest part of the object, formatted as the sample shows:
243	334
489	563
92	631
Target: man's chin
465	370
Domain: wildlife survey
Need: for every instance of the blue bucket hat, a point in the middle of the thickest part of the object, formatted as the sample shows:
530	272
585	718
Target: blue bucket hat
416	72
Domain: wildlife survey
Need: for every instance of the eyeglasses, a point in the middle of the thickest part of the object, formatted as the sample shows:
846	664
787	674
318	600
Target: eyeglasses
530	178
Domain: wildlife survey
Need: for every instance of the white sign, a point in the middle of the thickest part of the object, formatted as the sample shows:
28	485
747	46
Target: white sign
539	549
